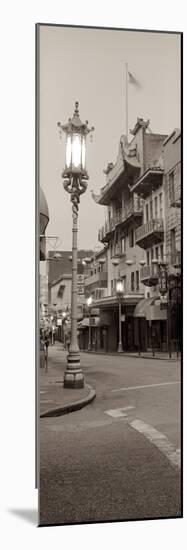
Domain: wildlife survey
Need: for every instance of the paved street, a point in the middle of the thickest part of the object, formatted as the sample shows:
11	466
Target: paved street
119	457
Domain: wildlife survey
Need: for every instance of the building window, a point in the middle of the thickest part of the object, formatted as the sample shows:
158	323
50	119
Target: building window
124	282
123	245
112	287
132	281
161	252
156	252
152	254
161	205
173	240
147	253
151	210
156	207
146	213
171	188
137	280
131	238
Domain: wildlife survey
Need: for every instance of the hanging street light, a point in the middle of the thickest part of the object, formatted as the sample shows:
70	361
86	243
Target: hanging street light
75	183
119	294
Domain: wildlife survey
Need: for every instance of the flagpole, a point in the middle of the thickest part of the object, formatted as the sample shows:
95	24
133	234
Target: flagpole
126	114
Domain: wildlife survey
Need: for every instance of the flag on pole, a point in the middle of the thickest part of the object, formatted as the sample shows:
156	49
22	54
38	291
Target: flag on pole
133	80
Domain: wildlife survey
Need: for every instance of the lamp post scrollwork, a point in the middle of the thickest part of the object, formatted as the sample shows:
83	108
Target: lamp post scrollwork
75	183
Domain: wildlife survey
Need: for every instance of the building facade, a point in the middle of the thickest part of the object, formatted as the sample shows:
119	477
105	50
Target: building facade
172	193
96	283
59	287
135	235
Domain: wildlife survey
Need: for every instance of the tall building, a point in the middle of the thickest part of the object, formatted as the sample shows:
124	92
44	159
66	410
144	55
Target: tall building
59	285
95	288
134	236
172	193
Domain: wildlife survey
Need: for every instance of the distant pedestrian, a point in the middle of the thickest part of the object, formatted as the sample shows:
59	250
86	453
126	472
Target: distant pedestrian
46	345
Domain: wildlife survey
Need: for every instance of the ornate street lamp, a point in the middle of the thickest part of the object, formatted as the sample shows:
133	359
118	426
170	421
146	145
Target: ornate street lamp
75	184
119	294
89	303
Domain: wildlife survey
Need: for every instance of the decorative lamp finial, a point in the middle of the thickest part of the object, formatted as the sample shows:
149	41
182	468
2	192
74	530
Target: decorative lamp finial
76	113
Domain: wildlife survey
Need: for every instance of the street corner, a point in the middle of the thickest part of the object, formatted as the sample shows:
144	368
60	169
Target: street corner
57	400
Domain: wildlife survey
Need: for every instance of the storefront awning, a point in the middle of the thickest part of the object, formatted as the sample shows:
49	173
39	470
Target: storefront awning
154	313
142	307
150	309
84	323
94	322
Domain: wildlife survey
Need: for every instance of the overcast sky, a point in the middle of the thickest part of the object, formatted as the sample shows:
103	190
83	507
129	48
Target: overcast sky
88	65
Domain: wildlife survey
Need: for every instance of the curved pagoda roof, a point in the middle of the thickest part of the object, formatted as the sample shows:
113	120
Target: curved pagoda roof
126	164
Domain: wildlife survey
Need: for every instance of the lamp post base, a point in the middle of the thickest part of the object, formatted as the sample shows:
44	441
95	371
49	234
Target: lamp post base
73	376
120	348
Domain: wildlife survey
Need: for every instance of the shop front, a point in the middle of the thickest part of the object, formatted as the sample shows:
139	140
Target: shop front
95	331
150	321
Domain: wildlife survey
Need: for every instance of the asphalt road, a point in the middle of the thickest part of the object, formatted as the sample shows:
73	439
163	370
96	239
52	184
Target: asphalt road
118	458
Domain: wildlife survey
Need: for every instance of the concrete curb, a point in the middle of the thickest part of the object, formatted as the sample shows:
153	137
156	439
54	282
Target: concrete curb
115	354
70	407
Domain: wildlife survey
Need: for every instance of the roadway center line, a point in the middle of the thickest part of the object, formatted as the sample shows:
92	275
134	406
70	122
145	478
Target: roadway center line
147	386
159	440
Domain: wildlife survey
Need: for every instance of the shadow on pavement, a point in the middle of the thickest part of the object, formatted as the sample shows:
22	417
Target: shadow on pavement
29	515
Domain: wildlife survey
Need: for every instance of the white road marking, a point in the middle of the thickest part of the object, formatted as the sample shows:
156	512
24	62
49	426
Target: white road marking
118	412
159	440
147	386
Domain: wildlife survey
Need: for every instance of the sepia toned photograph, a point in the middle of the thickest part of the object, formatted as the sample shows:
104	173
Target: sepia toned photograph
109	284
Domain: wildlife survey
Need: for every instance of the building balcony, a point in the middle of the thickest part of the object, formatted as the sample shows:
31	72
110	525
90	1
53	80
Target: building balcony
116	252
109	227
133	211
150	233
149	275
99	278
150	180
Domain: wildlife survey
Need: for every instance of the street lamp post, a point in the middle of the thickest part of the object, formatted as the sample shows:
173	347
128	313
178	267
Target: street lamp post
89	303
75	184
119	293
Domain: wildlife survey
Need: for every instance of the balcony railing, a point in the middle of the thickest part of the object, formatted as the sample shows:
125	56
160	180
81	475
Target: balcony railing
109	226
134	206
116	252
149	232
99	277
149	274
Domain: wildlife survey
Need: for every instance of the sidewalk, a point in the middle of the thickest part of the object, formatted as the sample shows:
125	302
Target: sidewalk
159	355
55	400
